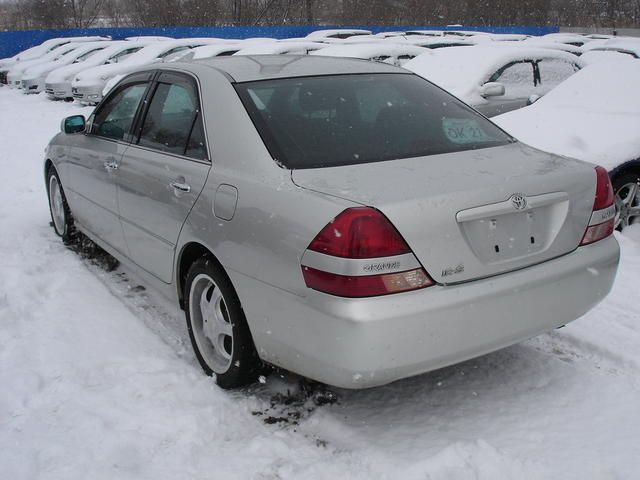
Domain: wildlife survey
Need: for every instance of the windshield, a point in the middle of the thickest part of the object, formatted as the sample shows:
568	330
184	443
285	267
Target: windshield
327	121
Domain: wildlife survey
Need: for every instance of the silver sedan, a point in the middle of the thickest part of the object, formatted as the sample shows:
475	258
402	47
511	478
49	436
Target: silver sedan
342	219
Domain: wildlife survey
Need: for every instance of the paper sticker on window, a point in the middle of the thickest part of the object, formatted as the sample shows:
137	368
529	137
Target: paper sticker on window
462	131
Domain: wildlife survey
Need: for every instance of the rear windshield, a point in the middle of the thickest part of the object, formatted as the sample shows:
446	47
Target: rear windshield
328	121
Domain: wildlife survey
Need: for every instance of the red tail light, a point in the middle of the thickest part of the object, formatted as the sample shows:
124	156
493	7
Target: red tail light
603	217
361	254
360	232
604	190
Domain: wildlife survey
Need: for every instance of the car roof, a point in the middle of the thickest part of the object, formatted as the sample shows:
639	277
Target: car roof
249	68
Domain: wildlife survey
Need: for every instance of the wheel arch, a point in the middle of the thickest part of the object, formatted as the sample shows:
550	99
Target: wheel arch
48	165
190	252
631	166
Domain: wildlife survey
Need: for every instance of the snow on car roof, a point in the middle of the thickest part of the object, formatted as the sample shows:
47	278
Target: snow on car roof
540	42
432	42
461	70
336	32
371	50
208	51
594	115
351	40
247	68
619	44
278	48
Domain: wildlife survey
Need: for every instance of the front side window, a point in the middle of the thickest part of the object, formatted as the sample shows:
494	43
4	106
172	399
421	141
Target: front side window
115	116
335	120
173	123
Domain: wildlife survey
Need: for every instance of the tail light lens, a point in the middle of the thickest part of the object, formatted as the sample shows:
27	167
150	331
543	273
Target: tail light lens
603	216
361	254
360	232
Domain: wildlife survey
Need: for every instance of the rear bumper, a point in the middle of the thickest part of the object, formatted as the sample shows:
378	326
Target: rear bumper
59	90
87	94
359	343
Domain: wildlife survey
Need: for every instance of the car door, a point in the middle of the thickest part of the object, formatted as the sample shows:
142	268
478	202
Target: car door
95	158
519	81
163	172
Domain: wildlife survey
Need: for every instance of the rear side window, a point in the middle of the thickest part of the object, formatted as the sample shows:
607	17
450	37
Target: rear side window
173	122
334	120
115	116
554	71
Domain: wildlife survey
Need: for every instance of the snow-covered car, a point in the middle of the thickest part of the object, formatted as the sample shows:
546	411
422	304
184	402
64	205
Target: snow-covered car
206	51
148	38
539	42
319	35
611	50
593	116
87	86
495	79
281	48
34	78
14	75
428	33
41	50
574	39
387	52
345	220
58	82
432	42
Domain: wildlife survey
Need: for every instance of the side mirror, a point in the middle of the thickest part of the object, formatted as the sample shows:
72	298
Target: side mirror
73	124
492	89
533	99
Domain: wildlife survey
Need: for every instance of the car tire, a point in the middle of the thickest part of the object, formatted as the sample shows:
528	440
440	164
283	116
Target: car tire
627	194
61	217
217	326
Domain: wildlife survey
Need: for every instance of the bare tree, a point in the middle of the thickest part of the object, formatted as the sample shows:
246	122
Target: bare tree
83	13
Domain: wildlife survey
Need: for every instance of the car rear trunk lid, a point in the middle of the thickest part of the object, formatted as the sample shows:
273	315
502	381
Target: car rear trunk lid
472	214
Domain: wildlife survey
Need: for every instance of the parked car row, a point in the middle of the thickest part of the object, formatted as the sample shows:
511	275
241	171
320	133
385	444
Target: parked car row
493	73
81	67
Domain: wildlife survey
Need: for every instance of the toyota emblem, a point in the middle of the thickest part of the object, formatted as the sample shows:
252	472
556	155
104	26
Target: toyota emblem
519	201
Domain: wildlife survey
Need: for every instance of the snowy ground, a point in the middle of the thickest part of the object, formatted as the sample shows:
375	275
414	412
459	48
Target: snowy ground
98	381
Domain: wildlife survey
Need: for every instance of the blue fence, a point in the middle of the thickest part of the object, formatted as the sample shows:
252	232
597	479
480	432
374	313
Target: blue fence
14	42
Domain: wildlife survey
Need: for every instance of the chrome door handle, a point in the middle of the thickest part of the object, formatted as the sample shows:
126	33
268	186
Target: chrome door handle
183	187
111	165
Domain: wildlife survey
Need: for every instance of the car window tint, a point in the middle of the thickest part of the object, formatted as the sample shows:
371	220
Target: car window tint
335	120
170	118
554	71
517	78
115	116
